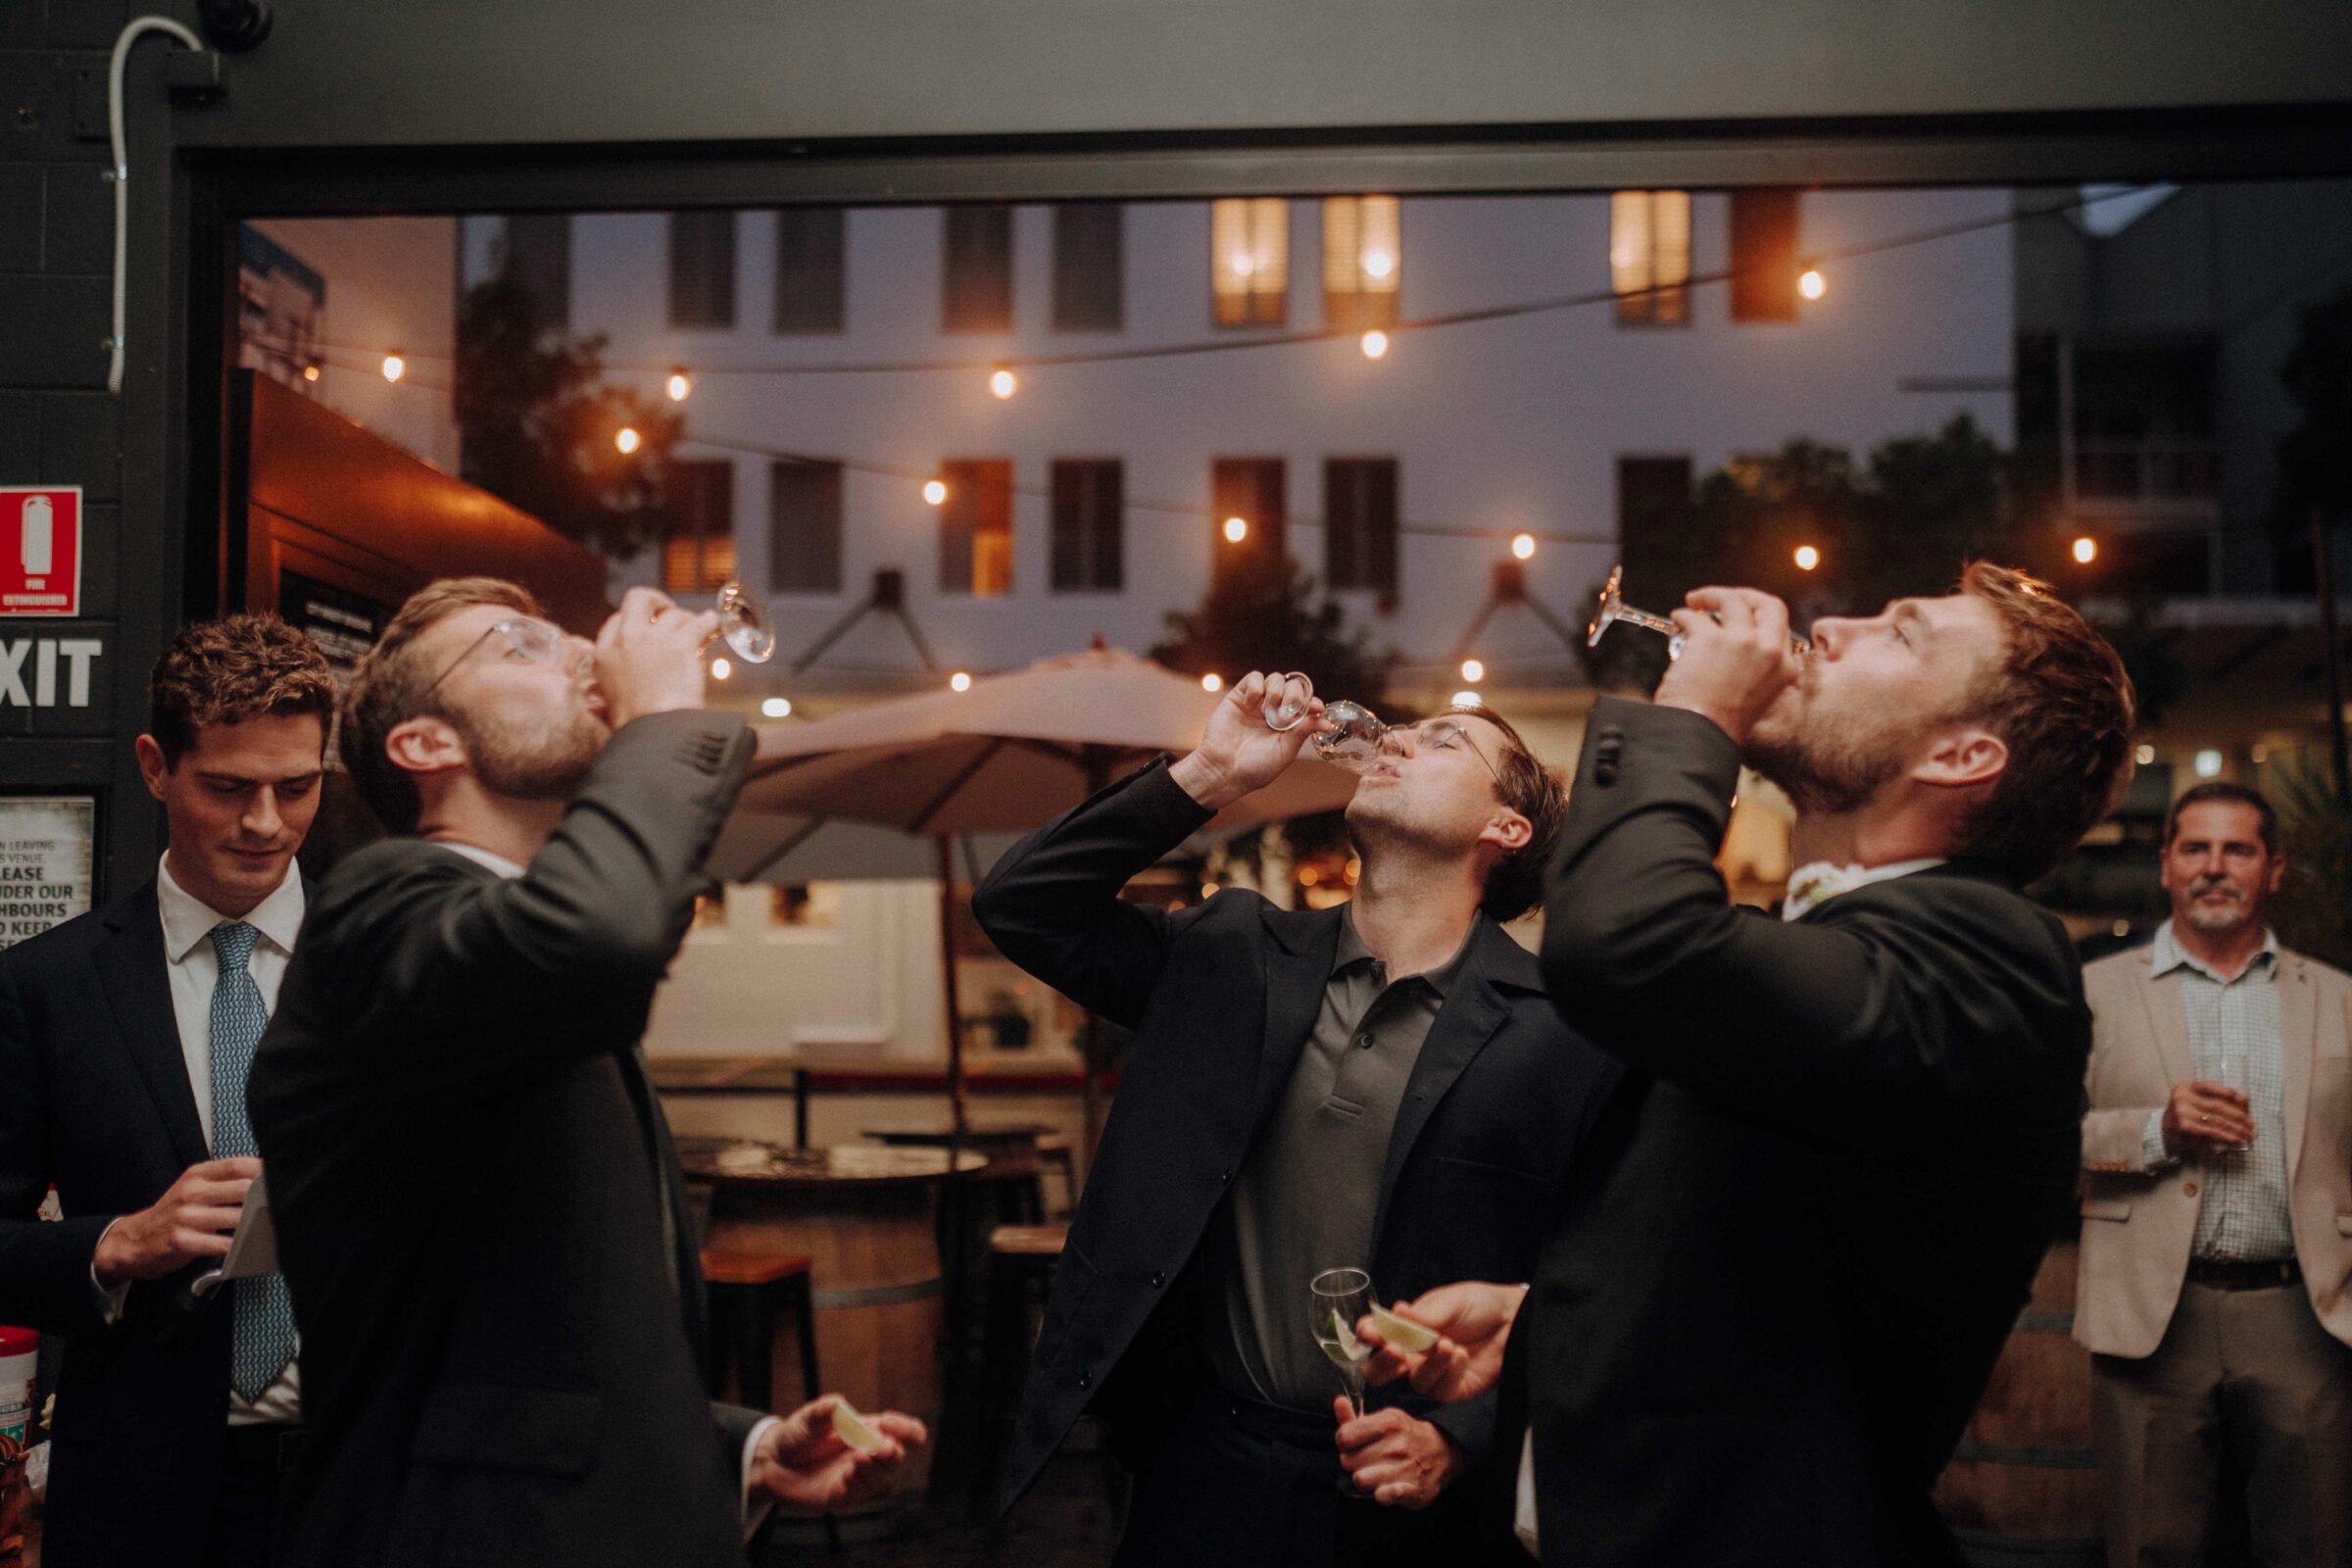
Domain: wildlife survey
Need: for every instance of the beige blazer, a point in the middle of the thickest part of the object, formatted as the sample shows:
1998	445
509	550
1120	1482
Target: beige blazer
2139	1223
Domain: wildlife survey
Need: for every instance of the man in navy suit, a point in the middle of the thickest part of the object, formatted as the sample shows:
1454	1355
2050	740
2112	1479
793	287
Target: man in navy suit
125	1036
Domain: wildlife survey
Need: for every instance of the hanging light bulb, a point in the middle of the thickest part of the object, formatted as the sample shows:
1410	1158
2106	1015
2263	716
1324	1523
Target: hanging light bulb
309	372
1524	546
1237	530
1212	682
626	439
1378	263
1811	284
2086	551
1807	558
1376	344
720	670
395	367
680	385
1003	384
1473	671
935	492
775	708
960	682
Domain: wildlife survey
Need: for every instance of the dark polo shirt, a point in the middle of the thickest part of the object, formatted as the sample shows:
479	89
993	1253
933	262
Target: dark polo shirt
1305	1198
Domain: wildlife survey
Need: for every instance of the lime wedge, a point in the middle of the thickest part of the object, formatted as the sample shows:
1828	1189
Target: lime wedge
1339	1341
1402	1331
852	1429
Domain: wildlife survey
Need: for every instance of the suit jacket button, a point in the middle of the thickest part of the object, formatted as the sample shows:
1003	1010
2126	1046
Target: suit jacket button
1086	1380
1159	1279
1225	1175
2189	1189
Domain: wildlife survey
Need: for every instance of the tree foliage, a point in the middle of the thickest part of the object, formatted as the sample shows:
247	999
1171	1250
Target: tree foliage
1260	612
538	423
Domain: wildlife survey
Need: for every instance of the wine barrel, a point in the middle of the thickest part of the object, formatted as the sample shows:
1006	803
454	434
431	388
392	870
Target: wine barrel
2022	1485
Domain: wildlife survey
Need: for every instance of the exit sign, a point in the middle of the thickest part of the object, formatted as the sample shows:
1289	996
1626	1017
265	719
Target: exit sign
40	550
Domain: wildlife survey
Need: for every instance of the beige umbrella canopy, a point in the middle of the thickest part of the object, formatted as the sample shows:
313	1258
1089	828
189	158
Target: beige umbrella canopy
1005	756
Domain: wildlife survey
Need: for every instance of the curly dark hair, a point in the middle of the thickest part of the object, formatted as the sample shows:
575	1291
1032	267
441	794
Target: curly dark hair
1516	886
228	670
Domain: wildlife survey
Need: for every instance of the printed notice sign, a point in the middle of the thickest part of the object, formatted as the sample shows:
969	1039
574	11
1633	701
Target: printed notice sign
40	550
46	857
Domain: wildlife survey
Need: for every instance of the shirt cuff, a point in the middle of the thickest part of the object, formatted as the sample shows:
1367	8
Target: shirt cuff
754	1510
108	1299
2152	1152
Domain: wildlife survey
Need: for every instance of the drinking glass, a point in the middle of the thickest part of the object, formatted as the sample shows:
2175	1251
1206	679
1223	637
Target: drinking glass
1337	1300
1355	738
743	621
1614	609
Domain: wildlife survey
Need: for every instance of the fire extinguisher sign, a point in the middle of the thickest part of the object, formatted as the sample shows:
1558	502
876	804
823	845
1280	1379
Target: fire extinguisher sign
40	550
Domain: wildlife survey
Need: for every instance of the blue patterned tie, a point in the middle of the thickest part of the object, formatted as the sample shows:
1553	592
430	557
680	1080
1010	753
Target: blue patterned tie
265	1312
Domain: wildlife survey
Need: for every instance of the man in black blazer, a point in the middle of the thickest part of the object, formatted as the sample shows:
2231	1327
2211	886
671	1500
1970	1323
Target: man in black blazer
176	1413
1845	1139
1379	1085
477	1202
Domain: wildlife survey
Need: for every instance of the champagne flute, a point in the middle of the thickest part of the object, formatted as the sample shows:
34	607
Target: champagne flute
1337	1300
1613	609
1353	738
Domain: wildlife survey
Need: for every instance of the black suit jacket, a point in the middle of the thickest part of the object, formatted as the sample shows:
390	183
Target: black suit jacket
1821	1194
95	1099
477	1203
1222	998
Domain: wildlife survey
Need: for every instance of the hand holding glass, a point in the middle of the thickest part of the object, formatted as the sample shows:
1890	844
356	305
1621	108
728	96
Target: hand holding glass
1614	609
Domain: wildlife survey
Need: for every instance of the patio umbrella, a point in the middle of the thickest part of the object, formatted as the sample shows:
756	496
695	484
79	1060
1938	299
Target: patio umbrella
1007	756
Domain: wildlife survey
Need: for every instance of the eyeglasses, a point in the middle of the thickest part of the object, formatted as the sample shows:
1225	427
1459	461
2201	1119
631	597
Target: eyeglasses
533	641
1444	734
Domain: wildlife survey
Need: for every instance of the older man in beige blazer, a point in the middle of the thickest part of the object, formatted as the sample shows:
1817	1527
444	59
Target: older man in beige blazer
2215	1284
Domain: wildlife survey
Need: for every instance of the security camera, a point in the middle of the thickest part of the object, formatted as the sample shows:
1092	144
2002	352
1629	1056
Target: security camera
235	25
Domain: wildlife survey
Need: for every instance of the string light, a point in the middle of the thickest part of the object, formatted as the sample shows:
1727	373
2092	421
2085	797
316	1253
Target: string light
1376	344
1463	698
1811	284
2145	756
680	386
1807	558
1524	546
1237	530
1003	384
775	708
1378	263
1473	671
960	682
627	440
935	492
2086	551
309	372
1212	682
395	367
720	670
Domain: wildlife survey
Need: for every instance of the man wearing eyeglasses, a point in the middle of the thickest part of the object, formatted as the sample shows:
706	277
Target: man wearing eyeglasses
478	1206
1378	1085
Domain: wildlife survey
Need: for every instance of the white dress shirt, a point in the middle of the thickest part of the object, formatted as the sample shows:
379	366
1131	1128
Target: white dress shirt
191	967
750	1446
1810	886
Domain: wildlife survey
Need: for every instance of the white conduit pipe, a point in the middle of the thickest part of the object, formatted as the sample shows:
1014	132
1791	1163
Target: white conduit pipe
113	124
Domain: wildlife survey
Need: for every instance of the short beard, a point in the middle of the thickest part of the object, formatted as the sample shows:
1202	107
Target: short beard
546	764
1823	778
2217	922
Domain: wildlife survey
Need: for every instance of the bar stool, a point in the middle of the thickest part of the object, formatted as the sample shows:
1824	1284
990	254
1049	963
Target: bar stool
1058	1155
744	1290
1021	1259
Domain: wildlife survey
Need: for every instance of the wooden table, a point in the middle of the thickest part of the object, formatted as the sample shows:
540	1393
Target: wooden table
864	1217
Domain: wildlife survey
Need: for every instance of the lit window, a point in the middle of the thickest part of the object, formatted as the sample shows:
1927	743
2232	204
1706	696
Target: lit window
1364	260
1650	256
698	551
1765	261
1249	261
975	527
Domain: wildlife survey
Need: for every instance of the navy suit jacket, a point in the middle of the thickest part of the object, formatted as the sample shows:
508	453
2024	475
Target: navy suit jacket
95	1099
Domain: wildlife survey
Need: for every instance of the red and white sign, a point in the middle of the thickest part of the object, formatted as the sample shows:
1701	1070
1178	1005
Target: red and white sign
40	550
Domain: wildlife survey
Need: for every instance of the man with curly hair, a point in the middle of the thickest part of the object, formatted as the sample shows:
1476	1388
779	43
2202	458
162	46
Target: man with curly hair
124	1039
